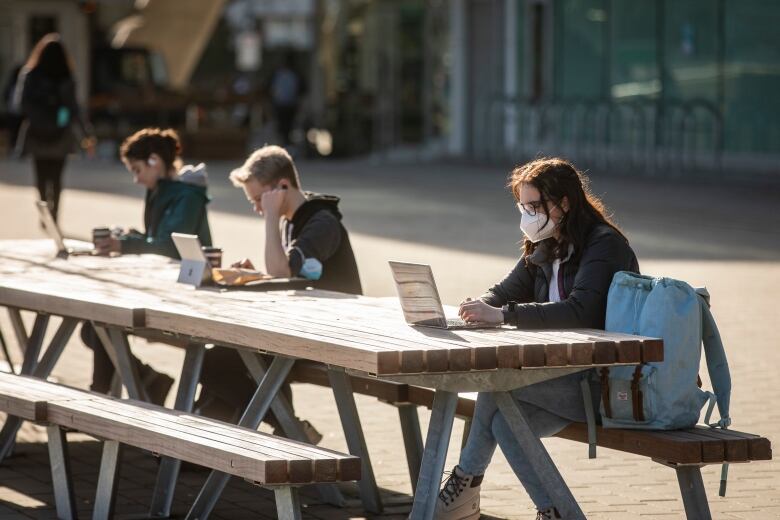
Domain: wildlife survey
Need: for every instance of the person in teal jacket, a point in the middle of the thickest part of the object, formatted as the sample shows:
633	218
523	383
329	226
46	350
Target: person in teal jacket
176	200
176	197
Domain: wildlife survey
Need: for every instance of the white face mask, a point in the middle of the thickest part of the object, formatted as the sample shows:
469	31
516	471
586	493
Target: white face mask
536	227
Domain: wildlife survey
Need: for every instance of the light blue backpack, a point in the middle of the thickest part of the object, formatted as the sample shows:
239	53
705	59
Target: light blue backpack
665	395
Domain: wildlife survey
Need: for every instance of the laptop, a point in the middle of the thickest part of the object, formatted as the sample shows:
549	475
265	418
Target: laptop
54	232
420	300
195	269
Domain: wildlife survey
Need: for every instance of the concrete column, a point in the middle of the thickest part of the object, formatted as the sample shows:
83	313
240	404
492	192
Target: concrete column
511	89
458	91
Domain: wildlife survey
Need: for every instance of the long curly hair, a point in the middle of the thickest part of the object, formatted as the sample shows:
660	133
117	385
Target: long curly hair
555	179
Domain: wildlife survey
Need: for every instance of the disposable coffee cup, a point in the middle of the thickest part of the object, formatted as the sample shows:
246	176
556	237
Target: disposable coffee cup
213	255
100	233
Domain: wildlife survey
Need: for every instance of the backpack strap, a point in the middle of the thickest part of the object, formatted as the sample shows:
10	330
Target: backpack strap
605	392
717	365
636	395
718	368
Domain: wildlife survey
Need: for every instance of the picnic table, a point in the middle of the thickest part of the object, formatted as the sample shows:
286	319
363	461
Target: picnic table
351	335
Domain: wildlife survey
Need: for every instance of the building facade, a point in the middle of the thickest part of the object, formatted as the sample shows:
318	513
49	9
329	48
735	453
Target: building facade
656	87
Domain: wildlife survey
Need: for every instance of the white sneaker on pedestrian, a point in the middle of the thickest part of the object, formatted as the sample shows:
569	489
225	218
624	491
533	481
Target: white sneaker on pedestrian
459	497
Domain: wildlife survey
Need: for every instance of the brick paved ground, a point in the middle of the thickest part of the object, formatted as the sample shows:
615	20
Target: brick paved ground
724	237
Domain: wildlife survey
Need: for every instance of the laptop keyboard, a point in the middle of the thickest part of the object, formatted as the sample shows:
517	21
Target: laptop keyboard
456	322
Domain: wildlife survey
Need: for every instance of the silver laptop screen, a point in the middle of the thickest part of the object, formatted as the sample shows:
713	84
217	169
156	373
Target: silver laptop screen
417	292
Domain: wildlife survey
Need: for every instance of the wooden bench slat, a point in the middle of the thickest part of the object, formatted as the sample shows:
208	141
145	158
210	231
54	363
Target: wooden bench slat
306	463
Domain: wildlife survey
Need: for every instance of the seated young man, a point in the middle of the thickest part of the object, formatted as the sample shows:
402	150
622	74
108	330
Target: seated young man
304	237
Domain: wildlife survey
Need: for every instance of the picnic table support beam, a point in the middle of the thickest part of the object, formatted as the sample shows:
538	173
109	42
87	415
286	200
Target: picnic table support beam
6	353
288	503
693	494
31	351
58	343
435	455
291	426
538	457
60	472
19	329
105	497
162	497
413	443
118	348
254	413
356	441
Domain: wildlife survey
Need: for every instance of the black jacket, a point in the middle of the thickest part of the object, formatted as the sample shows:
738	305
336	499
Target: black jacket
316	231
586	279
40	99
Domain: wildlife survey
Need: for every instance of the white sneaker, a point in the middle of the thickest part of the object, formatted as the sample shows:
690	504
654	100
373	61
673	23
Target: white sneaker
459	497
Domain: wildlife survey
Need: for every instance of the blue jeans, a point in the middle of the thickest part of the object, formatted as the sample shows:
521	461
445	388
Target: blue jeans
489	428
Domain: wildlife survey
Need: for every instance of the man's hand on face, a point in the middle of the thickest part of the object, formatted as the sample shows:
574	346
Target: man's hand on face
272	202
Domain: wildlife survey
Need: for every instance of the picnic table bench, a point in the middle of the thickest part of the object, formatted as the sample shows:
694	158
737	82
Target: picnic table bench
266	460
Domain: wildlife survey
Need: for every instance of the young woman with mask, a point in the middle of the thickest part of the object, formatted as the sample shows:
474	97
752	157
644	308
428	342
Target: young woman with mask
570	253
176	200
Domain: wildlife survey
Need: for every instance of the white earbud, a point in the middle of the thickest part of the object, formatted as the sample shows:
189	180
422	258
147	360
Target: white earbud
151	161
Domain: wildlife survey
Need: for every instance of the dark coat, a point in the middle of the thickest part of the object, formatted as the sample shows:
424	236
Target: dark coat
173	206
586	280
38	99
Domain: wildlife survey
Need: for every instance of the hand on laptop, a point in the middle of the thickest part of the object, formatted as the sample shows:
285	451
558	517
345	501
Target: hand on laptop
106	246
477	311
243	264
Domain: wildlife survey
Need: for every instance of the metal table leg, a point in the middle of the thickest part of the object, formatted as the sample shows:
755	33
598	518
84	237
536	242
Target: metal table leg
60	472
283	411
435	454
254	413
6	353
350	421
118	348
413	443
19	329
58	343
288	504
31	351
693	494
162	498
538	457
105	497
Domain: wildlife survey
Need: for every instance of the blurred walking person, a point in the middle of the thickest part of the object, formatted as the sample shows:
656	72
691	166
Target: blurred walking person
286	90
52	126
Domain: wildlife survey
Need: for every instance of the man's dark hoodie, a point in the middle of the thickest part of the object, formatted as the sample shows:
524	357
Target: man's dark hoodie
315	231
174	205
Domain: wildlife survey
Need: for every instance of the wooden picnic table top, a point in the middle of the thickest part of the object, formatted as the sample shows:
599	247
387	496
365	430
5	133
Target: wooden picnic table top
354	332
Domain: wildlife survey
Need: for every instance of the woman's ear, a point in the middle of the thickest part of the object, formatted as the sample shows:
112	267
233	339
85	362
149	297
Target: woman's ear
565	204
